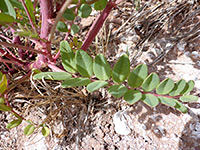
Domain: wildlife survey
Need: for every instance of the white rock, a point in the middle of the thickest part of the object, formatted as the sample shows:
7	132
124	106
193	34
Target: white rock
121	124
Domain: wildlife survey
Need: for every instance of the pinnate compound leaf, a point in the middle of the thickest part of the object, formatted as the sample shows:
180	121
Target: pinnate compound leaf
167	101
132	96
73	82
96	85
68	57
150	82
84	63
29	129
4	108
69	15
52	75
121	69
62	27
101	68
180	107
74	29
165	86
5	19
7	8
84	10
178	88
45	131
100	5
3	83
14	123
188	88
117	90
189	98
150	100
138	75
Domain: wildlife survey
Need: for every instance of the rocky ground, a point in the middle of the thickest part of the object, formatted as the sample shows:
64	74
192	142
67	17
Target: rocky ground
162	34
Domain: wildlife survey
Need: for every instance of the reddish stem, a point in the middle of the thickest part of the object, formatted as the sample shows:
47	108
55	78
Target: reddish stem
97	25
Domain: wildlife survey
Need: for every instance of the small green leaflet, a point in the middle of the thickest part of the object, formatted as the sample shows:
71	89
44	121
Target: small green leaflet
150	82
53	75
84	10
45	131
84	63
150	100
100	5
178	88
68	57
132	96
121	69
14	123
101	68
96	85
117	90
180	107
138	75
73	82
62	27
188	88
69	15
165	86
189	98
3	83
29	129
74	29
167	101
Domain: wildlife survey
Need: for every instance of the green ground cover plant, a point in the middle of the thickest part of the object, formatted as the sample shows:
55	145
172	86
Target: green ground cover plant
27	32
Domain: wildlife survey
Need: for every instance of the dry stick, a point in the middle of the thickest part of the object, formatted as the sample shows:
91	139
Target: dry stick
22	47
58	17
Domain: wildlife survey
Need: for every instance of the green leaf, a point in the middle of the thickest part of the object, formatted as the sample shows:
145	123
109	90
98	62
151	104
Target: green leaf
17	4
150	100
138	75
73	82
74	29
117	90
96	85
100	5
5	19
189	98
84	10
167	101
3	83
188	88
180	107
45	131
53	75
69	15
7	8
2	100
14	123
4	107
68	57
84	63
121	69
132	96
150	82
178	88
30	8
62	27
165	86
101	68
29	129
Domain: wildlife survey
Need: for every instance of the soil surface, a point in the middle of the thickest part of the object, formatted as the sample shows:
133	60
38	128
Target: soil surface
162	34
